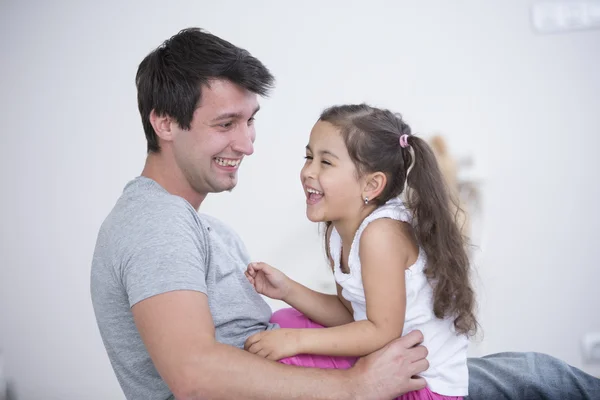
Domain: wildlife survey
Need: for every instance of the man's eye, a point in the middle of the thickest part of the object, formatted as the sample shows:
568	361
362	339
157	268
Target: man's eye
251	121
226	125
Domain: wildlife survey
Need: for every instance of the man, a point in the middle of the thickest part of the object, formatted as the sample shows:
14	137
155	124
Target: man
171	300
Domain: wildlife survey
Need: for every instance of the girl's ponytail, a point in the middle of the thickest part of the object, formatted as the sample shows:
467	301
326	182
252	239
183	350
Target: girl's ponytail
437	232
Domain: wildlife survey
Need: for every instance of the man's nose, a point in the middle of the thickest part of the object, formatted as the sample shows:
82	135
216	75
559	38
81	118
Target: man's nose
244	140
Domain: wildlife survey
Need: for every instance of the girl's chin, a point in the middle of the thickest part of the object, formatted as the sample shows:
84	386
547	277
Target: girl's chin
314	218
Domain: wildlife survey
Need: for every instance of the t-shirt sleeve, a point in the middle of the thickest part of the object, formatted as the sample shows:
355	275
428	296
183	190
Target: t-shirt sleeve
167	251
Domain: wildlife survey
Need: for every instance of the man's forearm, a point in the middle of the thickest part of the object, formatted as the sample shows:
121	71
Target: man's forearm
324	309
226	372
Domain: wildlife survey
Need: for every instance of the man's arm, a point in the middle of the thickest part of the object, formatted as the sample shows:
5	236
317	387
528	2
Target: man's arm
178	332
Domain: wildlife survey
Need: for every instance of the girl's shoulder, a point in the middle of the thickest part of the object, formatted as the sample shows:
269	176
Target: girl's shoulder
396	232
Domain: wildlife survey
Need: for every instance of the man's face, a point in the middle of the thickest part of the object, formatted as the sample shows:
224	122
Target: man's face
221	134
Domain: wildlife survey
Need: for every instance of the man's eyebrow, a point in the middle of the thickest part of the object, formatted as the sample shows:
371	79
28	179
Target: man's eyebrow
323	152
233	115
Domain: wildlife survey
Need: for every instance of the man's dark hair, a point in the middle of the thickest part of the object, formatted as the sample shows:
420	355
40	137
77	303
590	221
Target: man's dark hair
169	80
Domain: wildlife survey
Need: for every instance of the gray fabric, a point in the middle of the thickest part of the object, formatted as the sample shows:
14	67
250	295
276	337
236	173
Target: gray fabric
153	242
528	376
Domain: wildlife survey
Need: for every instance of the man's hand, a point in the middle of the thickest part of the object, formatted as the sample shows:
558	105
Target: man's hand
275	344
268	281
392	370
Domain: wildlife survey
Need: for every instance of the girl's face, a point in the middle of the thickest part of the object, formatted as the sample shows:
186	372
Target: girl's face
329	177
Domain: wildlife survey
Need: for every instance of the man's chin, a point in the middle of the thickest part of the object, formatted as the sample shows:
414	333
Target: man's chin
224	189
227	186
220	186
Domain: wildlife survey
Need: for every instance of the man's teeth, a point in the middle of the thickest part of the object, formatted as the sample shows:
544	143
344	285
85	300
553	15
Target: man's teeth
313	191
227	163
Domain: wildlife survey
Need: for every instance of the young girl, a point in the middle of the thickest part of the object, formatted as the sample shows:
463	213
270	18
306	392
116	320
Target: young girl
398	265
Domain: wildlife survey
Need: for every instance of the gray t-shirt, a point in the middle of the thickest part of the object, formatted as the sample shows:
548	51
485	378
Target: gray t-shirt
153	242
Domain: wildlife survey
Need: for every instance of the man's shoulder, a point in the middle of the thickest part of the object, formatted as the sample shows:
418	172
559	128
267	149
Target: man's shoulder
145	210
148	197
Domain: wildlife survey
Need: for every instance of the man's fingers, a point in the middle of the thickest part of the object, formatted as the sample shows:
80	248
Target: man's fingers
416	383
412	339
417	353
419	367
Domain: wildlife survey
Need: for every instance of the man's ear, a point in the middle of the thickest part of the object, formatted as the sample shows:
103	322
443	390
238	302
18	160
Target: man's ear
374	185
162	125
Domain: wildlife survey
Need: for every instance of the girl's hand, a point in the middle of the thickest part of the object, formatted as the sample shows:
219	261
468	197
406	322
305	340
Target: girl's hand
268	281
275	344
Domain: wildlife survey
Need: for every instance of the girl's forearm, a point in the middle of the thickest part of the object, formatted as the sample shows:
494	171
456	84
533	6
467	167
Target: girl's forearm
356	339
324	309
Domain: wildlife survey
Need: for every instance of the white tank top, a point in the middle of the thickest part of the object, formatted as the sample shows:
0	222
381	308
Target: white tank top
447	374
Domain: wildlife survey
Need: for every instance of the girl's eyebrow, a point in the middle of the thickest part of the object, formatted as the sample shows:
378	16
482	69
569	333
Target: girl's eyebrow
323	152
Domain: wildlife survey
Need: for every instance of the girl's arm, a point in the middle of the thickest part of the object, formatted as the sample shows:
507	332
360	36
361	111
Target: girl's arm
386	250
325	309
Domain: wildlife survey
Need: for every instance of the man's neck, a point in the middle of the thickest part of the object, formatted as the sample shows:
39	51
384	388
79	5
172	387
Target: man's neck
166	173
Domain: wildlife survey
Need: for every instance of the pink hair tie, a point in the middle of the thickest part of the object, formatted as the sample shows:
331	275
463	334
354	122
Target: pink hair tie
404	141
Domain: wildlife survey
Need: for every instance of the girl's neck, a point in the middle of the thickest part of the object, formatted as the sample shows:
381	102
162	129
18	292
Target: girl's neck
347	227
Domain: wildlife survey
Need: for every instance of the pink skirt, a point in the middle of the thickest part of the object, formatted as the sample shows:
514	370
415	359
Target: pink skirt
292	318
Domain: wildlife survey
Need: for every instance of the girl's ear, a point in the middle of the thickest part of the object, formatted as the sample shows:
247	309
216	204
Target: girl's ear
374	185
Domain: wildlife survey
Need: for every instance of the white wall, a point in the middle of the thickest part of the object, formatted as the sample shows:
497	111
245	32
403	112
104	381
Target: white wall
525	106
